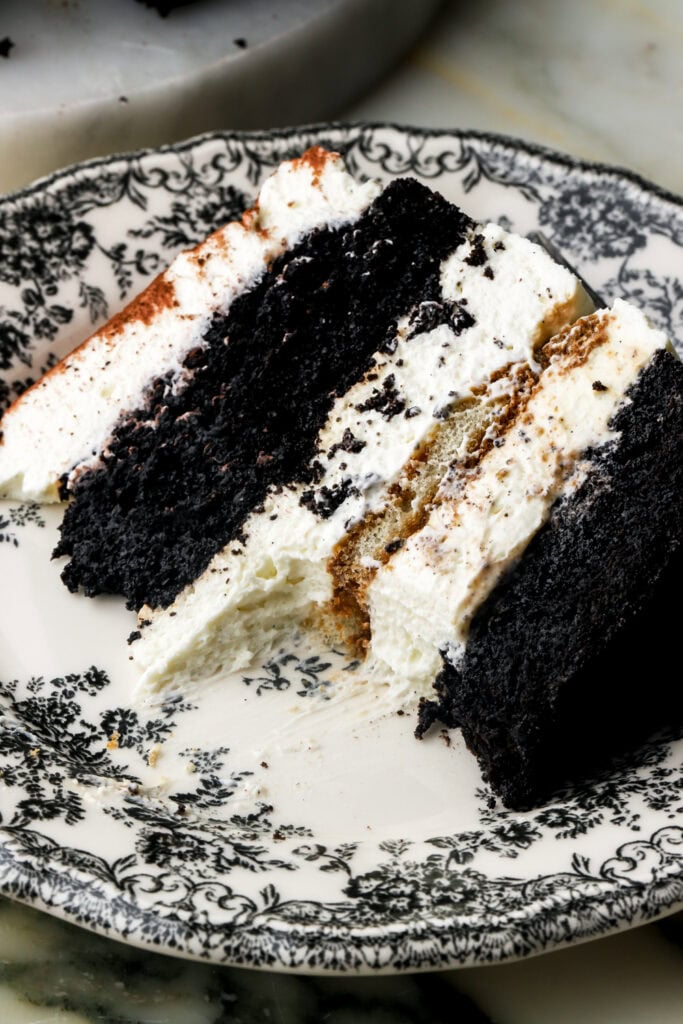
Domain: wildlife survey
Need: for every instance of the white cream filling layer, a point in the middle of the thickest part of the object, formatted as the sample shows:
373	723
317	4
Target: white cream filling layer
249	594
67	418
422	601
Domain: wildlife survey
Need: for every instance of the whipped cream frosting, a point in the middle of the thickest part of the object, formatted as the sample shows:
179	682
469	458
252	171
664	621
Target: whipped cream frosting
65	420
422	602
249	594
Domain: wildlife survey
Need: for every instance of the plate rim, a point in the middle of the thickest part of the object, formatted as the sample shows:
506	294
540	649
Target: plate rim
27	889
536	149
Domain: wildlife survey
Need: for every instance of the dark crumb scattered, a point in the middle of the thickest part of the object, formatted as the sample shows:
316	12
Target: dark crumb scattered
400	712
390	343
444	411
461	320
414	410
6	45
264	764
144	622
430	315
278	836
348	443
123	99
326	500
499	246
394	545
135	635
477	256
428	712
599	386
241	43
385	399
446	737
181	810
488	272
490	801
314	473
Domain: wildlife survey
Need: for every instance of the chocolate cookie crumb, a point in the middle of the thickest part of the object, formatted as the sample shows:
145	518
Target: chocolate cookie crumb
477	256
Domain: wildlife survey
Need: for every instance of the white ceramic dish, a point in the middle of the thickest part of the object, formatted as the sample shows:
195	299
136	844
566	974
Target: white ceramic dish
287	818
137	79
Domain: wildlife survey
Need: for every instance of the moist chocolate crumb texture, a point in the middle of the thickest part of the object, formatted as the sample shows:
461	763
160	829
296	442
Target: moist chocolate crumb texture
350	407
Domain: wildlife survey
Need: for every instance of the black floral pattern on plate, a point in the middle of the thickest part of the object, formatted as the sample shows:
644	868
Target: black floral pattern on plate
16	518
49	242
596	219
221	886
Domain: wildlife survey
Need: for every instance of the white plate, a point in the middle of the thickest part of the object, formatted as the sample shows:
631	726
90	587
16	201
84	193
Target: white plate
289	819
136	79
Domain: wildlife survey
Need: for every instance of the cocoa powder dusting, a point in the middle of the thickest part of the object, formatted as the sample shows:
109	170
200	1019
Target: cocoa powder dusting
156	297
317	158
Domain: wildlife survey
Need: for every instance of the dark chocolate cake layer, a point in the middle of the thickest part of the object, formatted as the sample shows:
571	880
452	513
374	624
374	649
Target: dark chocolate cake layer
181	474
568	660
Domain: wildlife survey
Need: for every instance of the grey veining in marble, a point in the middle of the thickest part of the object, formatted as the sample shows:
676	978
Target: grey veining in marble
53	972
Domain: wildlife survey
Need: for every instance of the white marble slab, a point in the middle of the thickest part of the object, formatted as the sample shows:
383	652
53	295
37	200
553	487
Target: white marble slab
54	973
601	79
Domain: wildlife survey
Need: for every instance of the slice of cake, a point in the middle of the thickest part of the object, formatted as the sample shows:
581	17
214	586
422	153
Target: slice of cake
353	412
66	420
543	581
268	395
421	601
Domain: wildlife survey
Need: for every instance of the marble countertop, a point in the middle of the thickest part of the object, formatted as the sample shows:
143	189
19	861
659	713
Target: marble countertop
55	973
601	79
